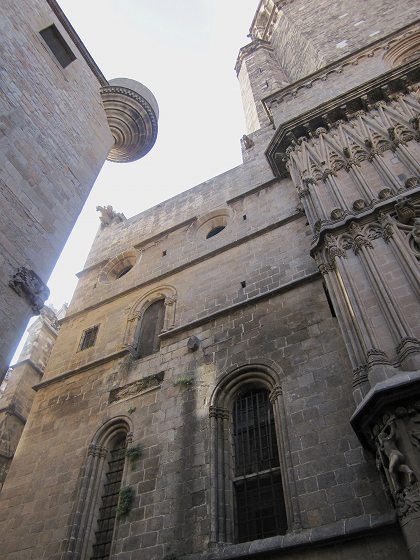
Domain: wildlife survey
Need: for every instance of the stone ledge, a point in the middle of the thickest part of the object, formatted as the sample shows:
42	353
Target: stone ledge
400	386
79	369
345	529
187	264
270	293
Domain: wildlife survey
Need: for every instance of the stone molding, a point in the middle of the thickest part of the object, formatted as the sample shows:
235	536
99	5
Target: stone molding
351	60
353	527
132	120
80	369
184	266
90	482
338	111
247	50
281	289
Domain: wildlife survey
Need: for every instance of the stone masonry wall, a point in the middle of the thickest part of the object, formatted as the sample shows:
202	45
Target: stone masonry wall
281	317
56	138
334	479
310	35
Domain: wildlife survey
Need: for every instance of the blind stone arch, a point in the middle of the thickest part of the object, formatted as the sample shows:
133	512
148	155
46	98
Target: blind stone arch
262	375
168	295
91	482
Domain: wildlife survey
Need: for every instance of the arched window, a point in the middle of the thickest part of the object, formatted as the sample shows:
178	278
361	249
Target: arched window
94	520
115	460
149	327
253	493
151	314
258	489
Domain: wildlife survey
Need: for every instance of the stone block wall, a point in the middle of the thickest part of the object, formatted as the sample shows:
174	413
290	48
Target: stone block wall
55	138
309	36
281	318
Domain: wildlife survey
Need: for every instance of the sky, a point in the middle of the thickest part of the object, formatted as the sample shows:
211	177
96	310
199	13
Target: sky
184	51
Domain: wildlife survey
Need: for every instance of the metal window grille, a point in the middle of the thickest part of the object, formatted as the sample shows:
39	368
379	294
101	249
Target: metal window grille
88	337
260	508
109	502
57	45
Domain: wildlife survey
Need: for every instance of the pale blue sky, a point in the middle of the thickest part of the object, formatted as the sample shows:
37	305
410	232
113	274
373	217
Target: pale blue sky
185	52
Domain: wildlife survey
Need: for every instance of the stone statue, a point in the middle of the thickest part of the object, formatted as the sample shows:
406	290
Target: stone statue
248	143
405	211
109	216
390	454
416	232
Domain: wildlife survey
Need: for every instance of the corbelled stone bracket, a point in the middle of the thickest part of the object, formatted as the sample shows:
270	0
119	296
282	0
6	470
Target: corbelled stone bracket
27	284
132	113
388	422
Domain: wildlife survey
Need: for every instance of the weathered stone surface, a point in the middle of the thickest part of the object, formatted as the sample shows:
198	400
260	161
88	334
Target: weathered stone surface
259	306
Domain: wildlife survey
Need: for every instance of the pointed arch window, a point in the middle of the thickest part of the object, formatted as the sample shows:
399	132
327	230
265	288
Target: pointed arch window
94	523
148	329
101	549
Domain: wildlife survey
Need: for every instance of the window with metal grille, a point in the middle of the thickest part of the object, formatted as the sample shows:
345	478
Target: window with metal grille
88	337
109	501
259	500
57	45
149	329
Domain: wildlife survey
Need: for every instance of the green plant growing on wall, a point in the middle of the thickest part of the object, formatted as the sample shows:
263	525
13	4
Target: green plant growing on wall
131	410
183	381
125	502
133	454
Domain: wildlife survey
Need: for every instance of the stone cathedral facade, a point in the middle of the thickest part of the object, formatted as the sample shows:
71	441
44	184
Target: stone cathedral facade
238	374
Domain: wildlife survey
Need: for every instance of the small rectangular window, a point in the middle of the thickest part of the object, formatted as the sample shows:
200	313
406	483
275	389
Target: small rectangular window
57	45
88	338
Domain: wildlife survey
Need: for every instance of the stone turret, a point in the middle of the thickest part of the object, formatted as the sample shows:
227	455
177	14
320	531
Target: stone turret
16	392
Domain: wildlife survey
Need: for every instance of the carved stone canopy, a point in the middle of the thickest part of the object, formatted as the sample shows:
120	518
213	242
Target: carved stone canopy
132	113
327	115
395	390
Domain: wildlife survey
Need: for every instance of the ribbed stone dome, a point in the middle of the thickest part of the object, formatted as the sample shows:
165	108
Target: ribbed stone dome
132	113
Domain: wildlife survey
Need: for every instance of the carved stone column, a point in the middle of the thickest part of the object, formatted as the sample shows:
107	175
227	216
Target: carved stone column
376	360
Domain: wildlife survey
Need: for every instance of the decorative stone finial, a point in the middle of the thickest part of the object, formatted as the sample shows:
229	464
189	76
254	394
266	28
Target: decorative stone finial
132	113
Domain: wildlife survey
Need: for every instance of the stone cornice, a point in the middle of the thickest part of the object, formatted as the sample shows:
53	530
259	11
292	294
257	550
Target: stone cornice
141	244
77	41
165	232
193	262
80	369
249	49
339	108
193	324
132	118
364	217
337	67
344	529
29	362
251	301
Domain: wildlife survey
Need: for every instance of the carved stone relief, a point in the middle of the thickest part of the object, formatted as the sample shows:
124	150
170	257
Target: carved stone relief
396	437
27	284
